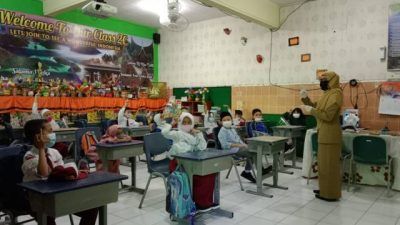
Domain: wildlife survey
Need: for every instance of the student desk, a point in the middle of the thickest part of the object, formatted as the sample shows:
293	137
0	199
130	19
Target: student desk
204	163
292	132
59	198
137	131
109	151
65	134
261	146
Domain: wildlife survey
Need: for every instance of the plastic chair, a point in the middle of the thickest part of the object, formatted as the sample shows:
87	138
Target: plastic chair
79	154
370	150
142	118
314	148
155	144
235	160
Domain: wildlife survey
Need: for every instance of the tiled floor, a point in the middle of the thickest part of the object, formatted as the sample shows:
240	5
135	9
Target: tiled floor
297	206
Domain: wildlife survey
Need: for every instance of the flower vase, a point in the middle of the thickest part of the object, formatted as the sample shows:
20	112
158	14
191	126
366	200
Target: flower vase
45	94
52	94
31	93
25	92
197	99
64	94
15	91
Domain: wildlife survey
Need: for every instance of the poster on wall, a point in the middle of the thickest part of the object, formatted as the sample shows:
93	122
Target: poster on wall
394	38
389	102
71	52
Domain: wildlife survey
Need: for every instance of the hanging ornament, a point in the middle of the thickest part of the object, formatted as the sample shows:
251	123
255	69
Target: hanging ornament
260	58
227	31
243	40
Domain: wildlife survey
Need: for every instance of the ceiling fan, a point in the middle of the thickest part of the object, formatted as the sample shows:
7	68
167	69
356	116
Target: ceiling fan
174	20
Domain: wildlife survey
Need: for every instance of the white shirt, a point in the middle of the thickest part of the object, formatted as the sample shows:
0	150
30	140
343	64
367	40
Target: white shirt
182	141
125	122
31	162
208	124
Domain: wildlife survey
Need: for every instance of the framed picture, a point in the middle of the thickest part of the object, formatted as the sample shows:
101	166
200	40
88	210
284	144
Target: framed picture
306	57
294	41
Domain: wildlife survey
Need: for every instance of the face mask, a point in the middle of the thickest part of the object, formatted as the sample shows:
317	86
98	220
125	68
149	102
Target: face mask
227	124
52	140
324	84
186	128
236	121
296	115
258	119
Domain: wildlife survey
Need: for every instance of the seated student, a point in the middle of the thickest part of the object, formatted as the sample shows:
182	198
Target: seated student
156	124
44	114
41	159
297	117
210	123
188	139
256	125
125	117
229	138
114	134
239	120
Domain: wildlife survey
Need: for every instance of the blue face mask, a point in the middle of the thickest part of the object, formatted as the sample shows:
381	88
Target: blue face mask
52	140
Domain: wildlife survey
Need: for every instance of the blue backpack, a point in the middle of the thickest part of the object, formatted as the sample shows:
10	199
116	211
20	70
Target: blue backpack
179	199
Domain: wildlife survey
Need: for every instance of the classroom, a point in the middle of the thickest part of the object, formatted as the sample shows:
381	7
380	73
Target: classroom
200	112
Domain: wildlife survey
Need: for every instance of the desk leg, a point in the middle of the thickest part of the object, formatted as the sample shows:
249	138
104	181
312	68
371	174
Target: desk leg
133	177
259	177
103	215
42	219
294	155
275	170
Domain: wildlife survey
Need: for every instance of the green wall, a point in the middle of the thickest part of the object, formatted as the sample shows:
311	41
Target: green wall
219	95
76	16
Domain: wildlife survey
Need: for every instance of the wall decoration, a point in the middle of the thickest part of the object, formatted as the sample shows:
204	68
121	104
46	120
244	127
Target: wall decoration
227	31
306	57
294	41
73	58
259	58
243	40
394	38
389	103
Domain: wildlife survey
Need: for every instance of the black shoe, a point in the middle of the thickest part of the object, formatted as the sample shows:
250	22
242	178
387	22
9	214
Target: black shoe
316	191
267	170
326	199
248	176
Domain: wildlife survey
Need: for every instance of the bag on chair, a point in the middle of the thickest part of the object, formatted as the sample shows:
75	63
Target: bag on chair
179	198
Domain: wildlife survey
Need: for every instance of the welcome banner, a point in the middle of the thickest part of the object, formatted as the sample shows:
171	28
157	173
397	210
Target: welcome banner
71	52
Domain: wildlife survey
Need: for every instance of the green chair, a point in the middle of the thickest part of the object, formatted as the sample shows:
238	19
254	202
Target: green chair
314	147
370	150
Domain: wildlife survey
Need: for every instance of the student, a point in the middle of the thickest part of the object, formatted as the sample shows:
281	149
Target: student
39	161
114	134
238	120
229	138
125	117
156	125
44	114
256	125
188	139
210	123
296	117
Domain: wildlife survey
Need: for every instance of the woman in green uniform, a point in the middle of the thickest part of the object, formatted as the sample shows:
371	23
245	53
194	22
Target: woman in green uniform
327	113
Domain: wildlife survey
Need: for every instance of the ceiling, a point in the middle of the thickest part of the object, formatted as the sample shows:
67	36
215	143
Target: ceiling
129	10
286	2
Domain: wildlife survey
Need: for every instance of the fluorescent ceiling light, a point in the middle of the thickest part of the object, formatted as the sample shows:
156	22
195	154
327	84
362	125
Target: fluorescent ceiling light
157	7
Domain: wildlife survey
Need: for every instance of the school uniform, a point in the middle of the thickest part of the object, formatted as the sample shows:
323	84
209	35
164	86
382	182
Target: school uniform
54	159
125	122
203	186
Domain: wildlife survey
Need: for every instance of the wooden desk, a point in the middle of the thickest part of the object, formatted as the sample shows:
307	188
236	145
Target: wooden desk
204	163
264	145
137	131
122	150
60	198
292	132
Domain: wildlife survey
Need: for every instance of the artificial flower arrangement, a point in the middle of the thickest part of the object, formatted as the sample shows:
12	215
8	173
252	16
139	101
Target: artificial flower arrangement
191	93
205	94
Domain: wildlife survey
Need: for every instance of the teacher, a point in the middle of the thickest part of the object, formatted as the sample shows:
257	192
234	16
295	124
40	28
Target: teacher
327	113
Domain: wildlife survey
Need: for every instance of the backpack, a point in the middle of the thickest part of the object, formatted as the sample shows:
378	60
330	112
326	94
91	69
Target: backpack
88	146
179	197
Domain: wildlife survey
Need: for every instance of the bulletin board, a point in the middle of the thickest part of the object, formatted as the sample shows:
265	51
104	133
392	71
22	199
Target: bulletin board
394	38
389	102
